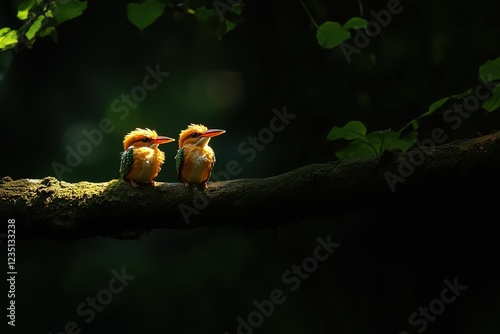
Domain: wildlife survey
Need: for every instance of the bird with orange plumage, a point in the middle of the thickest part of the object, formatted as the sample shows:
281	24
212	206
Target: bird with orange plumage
141	160
195	159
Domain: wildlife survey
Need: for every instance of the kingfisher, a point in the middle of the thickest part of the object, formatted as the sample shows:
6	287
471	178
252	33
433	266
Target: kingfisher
195	159
141	159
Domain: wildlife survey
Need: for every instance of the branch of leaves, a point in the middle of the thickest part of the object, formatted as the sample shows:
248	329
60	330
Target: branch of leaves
488	73
40	18
363	145
332	34
221	18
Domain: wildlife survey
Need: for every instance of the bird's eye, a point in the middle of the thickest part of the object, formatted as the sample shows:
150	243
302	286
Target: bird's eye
145	139
195	134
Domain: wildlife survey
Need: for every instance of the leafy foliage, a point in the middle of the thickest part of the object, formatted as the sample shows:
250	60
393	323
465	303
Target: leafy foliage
34	28
493	103
40	19
221	18
68	10
362	145
352	130
433	107
332	34
8	38
490	71
145	13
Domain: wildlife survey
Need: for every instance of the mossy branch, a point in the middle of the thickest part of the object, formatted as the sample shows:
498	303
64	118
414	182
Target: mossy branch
48	208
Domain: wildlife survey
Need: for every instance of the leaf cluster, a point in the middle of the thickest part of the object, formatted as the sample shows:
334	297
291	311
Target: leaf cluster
362	144
39	18
221	16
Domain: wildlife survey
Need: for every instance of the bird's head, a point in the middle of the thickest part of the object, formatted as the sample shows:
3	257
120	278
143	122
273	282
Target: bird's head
144	138
197	134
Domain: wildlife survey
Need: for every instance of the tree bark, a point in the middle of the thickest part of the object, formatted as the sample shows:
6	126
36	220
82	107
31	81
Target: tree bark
48	208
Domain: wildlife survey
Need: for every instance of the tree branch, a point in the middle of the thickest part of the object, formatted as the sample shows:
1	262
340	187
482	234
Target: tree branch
49	208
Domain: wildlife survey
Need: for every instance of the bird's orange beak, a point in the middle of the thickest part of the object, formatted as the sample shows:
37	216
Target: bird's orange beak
162	140
212	133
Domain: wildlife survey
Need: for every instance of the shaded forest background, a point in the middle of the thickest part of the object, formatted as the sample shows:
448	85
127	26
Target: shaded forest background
392	259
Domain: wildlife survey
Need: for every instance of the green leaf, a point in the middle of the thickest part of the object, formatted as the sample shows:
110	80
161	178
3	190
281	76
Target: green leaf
355	23
8	38
68	9
205	15
144	14
352	130
407	142
372	144
35	26
384	139
493	102
220	30
462	95
490	70
48	13
387	140
238	7
331	34
356	149
49	31
24	9
221	7
229	26
5	61
436	105
415	124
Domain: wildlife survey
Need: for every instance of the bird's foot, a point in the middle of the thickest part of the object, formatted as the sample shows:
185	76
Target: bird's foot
135	185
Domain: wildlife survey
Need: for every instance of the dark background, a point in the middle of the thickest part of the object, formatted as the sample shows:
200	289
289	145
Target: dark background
392	259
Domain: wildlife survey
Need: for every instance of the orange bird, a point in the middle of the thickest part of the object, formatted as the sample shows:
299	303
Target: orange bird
195	159
141	159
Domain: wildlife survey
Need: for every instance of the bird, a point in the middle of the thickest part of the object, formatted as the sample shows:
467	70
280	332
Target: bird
141	160
195	159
